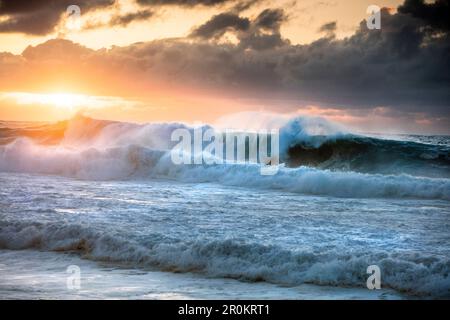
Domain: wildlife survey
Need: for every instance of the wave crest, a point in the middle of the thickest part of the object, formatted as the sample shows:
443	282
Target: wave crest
337	164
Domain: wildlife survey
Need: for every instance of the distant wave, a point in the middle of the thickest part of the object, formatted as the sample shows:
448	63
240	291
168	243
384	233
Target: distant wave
371	155
135	162
324	161
412	273
334	149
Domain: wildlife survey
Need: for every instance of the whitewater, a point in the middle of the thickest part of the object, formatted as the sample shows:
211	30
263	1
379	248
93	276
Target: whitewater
106	196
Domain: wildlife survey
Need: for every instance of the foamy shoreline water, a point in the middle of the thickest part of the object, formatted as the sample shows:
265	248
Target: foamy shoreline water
232	232
43	276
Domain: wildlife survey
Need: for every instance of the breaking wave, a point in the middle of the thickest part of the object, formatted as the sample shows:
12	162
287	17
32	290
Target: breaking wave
411	273
318	159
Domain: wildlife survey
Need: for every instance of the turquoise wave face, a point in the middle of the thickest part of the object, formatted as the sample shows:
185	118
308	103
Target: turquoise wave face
373	155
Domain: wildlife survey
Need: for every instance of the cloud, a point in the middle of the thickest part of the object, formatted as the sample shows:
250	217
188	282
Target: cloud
244	5
270	19
403	68
56	51
219	24
328	27
40	17
262	33
400	67
436	14
187	3
126	19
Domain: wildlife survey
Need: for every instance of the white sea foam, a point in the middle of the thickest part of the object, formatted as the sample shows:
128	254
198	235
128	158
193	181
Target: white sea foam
99	150
417	274
134	161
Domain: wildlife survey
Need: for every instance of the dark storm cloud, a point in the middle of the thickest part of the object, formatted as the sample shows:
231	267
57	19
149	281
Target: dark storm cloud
328	27
187	3
404	67
126	19
121	20
249	33
398	66
219	24
435	14
238	5
39	17
270	19
244	5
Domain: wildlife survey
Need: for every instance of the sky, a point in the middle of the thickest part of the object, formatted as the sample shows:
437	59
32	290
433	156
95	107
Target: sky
202	60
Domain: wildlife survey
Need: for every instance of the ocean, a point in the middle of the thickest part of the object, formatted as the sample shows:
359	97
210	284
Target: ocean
105	197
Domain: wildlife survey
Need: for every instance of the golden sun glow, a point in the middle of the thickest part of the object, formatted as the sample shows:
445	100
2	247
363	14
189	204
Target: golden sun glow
60	100
55	106
65	100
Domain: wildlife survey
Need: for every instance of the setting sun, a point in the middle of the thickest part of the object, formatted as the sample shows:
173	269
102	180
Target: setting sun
60	100
66	100
55	106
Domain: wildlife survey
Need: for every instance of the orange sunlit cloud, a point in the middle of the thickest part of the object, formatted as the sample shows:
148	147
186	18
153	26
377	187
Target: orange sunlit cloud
135	62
